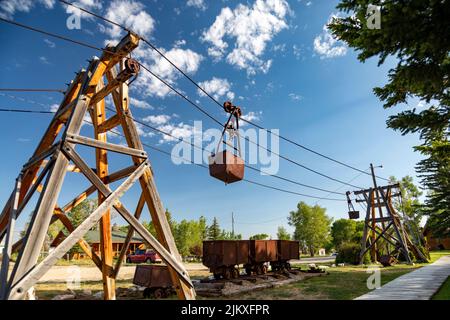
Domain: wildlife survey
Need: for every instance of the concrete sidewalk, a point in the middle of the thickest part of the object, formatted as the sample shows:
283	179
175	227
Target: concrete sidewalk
420	284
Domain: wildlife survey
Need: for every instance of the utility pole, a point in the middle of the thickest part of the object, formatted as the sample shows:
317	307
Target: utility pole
373	176
232	223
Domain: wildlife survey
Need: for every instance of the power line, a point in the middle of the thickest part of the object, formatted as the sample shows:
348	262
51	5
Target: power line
210	96
25	100
50	34
181	95
351	180
32	90
182	158
93	14
25	111
145	41
265	221
309	149
247	166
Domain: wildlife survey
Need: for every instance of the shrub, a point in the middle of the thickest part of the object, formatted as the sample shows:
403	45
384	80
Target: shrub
349	253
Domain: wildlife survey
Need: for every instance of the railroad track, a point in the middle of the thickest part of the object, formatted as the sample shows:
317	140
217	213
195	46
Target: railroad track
210	287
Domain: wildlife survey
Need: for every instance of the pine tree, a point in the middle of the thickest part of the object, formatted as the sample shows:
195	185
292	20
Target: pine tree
416	33
282	234
214	231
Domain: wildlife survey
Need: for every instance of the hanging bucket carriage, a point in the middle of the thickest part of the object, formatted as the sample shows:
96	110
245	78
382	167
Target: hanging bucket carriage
225	165
352	213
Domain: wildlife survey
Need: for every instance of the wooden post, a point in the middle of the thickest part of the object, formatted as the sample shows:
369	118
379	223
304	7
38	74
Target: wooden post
149	190
106	249
87	93
373	251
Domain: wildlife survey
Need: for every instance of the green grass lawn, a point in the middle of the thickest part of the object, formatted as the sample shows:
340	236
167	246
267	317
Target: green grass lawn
341	283
435	255
444	292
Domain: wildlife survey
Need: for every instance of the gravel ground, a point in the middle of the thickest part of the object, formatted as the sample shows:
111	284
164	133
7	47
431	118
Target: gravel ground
88	273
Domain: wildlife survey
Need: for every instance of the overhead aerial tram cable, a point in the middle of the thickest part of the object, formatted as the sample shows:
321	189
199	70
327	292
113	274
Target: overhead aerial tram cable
192	162
177	92
181	140
151	45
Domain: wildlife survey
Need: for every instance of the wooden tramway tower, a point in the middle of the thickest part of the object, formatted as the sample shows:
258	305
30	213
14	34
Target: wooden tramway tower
56	155
384	235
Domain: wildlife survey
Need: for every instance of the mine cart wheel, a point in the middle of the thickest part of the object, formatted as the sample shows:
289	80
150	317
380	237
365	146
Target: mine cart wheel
158	293
274	267
168	292
226	274
147	293
288	266
217	275
264	269
235	273
248	270
259	269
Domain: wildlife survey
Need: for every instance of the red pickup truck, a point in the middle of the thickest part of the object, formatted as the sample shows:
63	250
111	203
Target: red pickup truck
141	256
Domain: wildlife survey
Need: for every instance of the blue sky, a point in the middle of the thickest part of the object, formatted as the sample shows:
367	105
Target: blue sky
272	57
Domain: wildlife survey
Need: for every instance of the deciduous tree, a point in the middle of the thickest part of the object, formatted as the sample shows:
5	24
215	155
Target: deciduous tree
259	236
312	226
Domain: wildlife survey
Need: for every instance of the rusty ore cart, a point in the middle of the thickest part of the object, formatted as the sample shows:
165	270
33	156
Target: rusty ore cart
156	279
287	250
222	257
261	253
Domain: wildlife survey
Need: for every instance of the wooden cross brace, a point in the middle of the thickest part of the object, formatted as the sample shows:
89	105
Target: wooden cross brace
87	94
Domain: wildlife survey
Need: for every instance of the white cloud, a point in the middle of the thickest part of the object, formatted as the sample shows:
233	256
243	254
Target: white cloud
9	7
186	59
297	51
326	45
158	120
279	47
217	88
85	4
199	4
51	44
251	116
142	132
178	131
44	60
252	27
179	43
295	97
131	14
54	107
140	104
